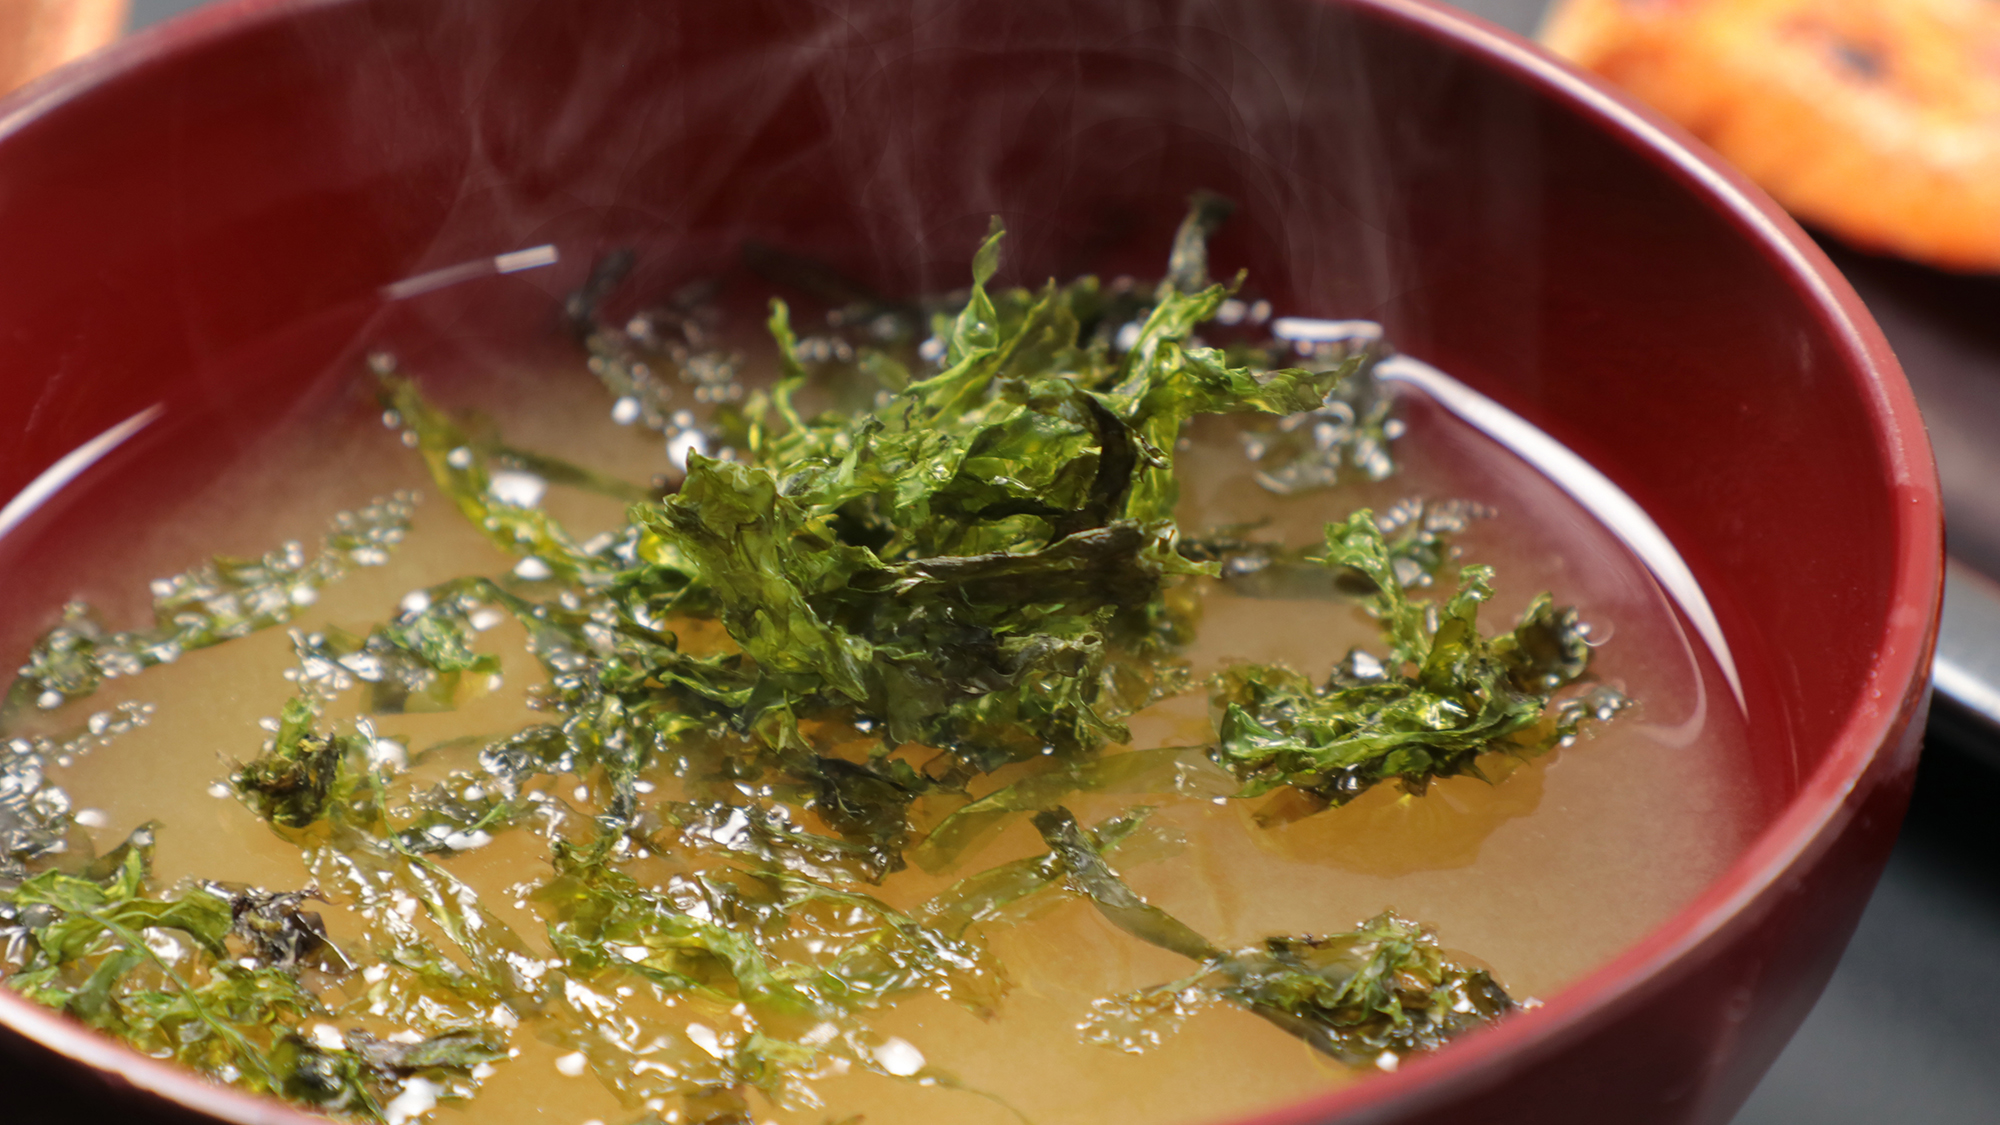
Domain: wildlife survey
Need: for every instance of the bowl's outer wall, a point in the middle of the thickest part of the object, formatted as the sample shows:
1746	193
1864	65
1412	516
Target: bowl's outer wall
211	223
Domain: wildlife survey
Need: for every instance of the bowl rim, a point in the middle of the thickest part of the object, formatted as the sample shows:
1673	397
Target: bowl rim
1882	708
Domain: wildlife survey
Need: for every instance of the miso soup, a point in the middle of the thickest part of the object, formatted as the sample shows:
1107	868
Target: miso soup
1060	705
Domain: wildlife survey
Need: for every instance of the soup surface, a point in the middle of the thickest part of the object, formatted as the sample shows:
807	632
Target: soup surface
1538	871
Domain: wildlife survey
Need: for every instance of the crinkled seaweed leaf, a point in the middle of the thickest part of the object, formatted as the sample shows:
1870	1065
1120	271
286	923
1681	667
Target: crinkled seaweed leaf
209	977
1443	695
35	824
351	1078
1169	769
291	783
217	601
275	926
1386	987
1417	535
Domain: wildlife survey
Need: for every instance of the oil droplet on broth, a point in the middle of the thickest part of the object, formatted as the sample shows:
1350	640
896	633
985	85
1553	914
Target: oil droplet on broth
1541	874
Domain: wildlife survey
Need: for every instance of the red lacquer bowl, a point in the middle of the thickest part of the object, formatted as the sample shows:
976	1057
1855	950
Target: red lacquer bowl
215	211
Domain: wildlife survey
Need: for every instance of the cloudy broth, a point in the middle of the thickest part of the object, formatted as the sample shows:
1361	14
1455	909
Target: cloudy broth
1541	875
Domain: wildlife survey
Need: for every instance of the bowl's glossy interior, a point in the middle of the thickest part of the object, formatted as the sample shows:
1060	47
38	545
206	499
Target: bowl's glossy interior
208	218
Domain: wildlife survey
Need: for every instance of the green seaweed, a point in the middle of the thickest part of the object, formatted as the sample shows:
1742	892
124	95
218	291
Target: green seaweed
1383	989
1444	693
940	544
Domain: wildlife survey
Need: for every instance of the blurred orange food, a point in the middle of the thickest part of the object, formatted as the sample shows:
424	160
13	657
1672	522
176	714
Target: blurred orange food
1876	119
40	35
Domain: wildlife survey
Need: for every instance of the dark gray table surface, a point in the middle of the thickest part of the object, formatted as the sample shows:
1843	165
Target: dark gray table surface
1905	1032
146	12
